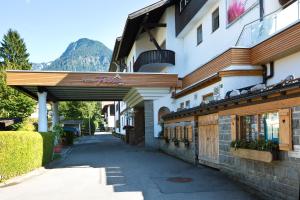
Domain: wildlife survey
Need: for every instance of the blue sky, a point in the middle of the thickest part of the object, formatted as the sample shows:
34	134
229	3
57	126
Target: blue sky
48	26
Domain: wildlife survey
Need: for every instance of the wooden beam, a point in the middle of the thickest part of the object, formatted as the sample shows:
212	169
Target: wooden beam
97	80
152	38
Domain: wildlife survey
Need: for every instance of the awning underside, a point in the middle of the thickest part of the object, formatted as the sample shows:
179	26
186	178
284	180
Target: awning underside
76	93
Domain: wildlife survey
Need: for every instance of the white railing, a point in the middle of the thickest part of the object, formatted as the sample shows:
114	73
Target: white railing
260	30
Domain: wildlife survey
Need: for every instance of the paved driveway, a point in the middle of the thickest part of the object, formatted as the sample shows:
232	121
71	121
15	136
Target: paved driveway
103	168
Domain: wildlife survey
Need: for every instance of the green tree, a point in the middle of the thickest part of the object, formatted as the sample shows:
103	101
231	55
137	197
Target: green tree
89	112
13	52
13	55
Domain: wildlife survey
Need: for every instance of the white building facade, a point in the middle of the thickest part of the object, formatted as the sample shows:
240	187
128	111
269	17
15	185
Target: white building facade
231	56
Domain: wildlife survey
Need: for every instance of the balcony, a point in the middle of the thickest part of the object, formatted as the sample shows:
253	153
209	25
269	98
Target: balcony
154	61
260	30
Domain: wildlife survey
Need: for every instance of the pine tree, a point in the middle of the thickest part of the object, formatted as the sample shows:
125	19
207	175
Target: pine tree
13	55
13	52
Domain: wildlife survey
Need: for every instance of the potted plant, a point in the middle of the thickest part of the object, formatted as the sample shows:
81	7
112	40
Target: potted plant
58	133
186	142
176	142
167	140
260	150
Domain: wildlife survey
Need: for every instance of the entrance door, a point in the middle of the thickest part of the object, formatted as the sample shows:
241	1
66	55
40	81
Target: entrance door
209	138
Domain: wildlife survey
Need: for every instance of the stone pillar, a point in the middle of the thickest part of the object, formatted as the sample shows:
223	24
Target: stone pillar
43	121
150	140
55	114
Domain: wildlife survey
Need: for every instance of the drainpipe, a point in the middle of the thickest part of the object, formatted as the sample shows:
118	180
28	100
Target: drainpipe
261	9
266	77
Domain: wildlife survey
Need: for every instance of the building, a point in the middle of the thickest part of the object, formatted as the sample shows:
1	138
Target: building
213	82
237	66
108	110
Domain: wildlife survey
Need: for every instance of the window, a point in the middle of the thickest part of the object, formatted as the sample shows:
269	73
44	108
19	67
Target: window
188	133
181	106
199	35
208	98
187	104
260	127
215	20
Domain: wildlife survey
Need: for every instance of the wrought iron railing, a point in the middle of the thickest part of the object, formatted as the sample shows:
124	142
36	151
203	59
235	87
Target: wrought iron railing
154	57
262	29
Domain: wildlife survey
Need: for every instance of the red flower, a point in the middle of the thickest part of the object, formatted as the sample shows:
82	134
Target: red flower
236	9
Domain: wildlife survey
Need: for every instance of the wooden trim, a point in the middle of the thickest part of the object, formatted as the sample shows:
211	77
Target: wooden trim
69	79
185	119
230	57
280	45
207	95
263	107
263	156
198	86
230	73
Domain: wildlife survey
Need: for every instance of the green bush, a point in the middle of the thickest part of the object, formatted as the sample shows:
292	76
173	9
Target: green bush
23	151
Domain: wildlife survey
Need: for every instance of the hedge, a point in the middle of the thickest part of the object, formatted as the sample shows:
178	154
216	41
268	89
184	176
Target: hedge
23	151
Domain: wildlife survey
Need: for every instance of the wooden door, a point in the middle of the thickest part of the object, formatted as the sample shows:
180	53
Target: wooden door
209	138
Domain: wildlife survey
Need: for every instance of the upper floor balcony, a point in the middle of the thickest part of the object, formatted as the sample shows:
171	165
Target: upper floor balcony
262	29
154	61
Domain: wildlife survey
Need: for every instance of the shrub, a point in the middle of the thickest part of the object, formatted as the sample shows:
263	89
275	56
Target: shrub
23	151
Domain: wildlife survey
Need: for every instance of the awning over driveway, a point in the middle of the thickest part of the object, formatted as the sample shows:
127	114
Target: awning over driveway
75	86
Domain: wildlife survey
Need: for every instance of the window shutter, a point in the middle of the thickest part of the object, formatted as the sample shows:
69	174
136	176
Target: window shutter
166	133
190	133
285	130
233	127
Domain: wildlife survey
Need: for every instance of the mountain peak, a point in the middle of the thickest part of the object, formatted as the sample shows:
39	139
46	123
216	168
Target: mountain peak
83	55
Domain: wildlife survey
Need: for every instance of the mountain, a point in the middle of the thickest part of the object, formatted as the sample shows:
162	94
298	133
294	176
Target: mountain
82	55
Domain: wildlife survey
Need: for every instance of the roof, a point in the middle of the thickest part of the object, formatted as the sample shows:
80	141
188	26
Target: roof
134	22
113	66
86	86
266	94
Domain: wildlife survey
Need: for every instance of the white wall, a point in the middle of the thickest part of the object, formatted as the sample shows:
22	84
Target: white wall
285	67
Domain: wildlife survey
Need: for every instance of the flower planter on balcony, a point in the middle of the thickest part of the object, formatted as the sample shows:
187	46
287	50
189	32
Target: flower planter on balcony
263	156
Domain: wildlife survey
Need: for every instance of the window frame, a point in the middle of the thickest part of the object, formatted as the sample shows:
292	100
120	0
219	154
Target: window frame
239	134
200	27
215	13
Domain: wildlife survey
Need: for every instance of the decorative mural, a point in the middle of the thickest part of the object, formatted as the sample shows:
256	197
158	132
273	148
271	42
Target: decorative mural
236	8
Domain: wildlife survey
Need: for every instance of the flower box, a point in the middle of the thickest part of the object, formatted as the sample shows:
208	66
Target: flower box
263	156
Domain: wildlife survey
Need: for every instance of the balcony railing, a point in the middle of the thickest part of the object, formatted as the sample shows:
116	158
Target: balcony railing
260	30
154	60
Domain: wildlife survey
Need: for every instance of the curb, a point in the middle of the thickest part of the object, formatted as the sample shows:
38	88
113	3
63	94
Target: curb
36	172
19	179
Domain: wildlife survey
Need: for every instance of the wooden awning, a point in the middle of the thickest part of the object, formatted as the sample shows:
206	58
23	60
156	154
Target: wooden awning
75	86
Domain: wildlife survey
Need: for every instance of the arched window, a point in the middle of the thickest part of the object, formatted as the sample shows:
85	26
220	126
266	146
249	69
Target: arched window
162	111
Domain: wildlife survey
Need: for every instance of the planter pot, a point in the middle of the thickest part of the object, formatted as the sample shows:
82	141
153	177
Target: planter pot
263	156
57	148
176	143
187	144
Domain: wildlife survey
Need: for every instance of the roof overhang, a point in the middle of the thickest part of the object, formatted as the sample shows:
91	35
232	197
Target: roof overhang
74	86
134	22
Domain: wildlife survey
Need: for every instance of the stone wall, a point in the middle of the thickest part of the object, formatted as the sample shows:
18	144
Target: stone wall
181	151
150	141
277	180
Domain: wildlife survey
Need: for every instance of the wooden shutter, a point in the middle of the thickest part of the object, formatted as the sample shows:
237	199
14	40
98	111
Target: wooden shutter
233	127
190	133
166	133
285	130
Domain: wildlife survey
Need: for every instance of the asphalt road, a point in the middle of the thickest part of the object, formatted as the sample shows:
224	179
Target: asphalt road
102	167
